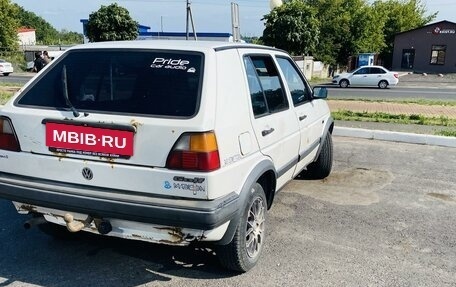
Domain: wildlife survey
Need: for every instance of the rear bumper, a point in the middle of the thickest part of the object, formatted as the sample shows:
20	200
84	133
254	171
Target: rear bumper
120	204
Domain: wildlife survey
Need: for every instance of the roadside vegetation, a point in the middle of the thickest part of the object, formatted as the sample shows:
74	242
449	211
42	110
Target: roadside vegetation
7	90
422	102
447	133
380	117
448	125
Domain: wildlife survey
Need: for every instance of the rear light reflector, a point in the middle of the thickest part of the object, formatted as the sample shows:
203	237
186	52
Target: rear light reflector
195	152
8	139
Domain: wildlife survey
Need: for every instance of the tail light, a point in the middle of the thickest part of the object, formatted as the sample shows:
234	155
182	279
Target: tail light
8	139
195	152
396	75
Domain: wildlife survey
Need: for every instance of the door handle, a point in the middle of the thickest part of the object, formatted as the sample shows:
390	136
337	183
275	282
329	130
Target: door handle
266	132
301	118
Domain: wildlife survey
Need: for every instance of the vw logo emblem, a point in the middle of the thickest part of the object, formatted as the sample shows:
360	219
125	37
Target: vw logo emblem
87	173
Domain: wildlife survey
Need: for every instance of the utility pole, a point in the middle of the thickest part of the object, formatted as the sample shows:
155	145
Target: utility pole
235	22
190	19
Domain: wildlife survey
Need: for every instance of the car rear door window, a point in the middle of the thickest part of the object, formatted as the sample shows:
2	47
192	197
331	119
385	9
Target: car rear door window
266	88
374	70
153	83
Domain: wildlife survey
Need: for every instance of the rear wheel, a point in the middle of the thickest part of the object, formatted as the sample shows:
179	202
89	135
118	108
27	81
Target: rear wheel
383	84
321	168
6	74
344	83
243	252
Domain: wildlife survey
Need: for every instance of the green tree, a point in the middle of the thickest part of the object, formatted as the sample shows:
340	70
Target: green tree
69	37
348	27
111	23
45	33
292	27
8	26
399	16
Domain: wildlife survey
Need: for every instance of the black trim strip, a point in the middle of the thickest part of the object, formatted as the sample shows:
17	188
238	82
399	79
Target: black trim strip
312	147
287	167
294	161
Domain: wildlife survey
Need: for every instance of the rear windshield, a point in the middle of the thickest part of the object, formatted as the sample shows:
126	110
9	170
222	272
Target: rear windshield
155	83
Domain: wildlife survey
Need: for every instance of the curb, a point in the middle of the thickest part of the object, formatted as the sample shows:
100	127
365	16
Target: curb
395	136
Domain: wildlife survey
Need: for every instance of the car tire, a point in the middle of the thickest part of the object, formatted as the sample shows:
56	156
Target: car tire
6	74
321	168
383	84
240	255
344	83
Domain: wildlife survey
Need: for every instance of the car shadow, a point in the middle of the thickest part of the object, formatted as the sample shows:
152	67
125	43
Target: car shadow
86	259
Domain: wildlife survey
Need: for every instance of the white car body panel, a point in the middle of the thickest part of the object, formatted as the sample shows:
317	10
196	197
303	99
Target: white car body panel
144	181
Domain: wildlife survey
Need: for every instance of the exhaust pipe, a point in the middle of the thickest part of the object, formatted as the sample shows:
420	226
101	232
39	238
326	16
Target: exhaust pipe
103	226
34	221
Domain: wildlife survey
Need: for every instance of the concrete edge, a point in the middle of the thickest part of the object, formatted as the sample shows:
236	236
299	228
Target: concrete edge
395	136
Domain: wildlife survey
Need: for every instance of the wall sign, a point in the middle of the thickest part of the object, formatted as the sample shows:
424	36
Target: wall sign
437	31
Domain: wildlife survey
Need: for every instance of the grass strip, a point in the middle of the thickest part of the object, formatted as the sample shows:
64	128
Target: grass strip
5	96
380	117
422	102
447	133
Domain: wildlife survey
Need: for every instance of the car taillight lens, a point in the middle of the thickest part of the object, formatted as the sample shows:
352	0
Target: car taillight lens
195	152
8	139
396	75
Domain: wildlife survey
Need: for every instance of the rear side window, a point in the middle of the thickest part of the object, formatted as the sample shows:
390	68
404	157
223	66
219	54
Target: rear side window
377	71
155	83
266	89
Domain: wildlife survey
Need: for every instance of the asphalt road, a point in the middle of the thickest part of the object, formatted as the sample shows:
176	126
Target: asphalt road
18	79
385	217
394	93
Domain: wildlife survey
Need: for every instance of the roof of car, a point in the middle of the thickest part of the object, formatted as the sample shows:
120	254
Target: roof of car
372	66
170	45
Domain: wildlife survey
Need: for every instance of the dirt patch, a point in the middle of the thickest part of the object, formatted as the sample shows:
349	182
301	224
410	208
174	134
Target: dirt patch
354	186
443	197
10	89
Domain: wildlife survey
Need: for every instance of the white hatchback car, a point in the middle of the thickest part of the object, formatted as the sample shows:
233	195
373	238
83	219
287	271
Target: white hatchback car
163	141
367	76
6	68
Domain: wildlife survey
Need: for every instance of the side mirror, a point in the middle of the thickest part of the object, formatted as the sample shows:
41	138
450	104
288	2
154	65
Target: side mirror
320	92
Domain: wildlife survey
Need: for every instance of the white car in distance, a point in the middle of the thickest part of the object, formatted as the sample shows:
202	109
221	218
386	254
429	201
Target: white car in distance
5	67
367	76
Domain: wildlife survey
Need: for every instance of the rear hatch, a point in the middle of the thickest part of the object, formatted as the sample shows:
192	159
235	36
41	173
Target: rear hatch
97	107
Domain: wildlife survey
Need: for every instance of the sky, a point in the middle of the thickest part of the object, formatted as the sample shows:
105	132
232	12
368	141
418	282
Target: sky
170	15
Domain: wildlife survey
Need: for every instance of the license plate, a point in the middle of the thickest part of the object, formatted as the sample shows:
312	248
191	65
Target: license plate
88	140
